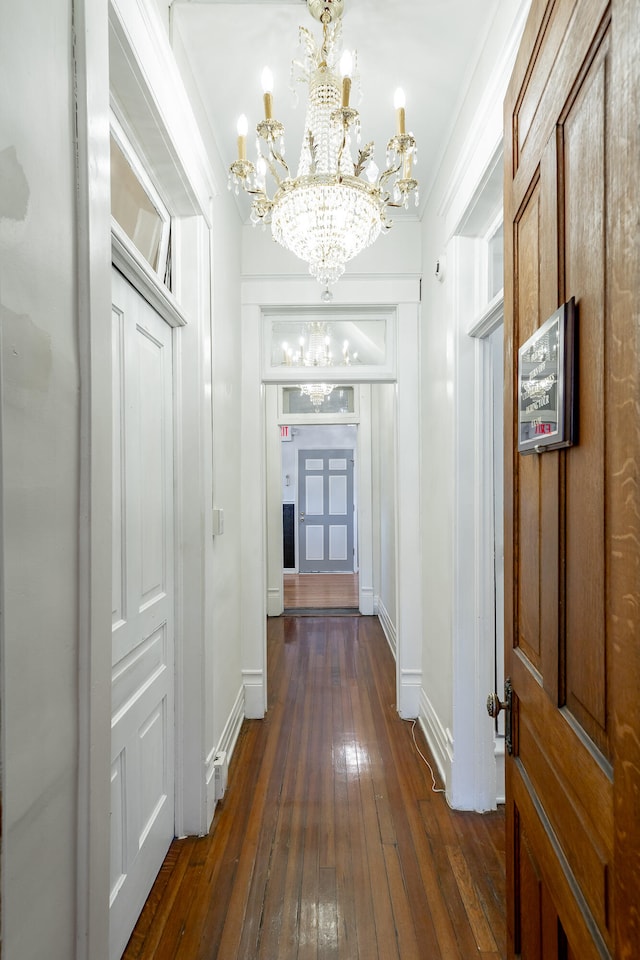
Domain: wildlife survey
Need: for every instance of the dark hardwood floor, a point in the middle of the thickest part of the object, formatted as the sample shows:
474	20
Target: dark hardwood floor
329	841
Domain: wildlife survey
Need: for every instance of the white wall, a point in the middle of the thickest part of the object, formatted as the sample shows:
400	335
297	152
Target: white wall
40	465
397	252
450	703
226	573
46	909
224	641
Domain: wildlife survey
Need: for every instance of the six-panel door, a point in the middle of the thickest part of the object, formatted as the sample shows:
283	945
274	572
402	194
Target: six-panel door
325	511
142	724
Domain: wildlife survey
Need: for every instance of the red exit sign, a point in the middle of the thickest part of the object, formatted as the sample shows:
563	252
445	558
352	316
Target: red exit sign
544	428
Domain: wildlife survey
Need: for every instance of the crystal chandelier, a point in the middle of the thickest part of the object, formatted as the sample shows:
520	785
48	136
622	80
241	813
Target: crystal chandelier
314	350
335	206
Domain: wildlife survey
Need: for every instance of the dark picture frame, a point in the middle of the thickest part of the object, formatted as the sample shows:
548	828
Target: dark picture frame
546	384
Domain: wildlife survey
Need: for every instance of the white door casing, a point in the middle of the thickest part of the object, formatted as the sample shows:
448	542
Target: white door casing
142	724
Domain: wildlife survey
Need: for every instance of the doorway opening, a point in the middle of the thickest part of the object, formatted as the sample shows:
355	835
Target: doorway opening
319	518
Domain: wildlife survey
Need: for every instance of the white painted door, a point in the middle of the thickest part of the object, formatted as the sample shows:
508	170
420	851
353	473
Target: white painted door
325	511
142	723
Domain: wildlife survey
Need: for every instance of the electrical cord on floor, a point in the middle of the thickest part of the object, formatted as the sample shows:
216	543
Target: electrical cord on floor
434	789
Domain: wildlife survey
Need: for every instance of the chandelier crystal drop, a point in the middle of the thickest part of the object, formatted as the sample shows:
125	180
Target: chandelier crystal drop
336	205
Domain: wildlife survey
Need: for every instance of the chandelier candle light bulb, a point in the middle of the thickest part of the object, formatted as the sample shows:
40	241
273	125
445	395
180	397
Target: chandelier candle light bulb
243	127
267	90
346	68
399	102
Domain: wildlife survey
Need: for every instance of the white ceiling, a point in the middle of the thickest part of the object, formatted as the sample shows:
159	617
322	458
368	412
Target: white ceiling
429	47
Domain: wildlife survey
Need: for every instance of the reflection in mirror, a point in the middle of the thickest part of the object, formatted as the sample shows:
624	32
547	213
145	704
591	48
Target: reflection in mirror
339	401
318	343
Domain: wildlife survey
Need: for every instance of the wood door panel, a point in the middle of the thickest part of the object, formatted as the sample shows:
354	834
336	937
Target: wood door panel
528	635
562	903
528	490
571	201
575	759
572	826
550	35
577	801
571	56
582	196
530	883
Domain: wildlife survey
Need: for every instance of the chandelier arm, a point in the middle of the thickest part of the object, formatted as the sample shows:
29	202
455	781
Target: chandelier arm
255	192
389	172
343	145
279	159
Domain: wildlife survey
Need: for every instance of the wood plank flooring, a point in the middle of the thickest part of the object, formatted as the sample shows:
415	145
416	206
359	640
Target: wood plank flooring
320	590
329	842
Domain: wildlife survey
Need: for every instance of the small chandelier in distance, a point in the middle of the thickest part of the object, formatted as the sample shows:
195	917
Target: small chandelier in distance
329	211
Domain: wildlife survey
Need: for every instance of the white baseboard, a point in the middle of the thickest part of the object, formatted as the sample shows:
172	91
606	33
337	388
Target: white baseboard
387	625
366	601
254	694
275	603
409	692
438	737
226	744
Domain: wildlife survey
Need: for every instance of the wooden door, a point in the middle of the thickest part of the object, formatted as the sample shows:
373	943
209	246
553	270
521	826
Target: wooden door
572	621
142	724
325	511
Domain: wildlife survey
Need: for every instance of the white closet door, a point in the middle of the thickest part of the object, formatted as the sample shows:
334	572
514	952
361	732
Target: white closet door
142	723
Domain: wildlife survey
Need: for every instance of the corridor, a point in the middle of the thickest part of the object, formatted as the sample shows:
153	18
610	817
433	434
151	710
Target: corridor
330	841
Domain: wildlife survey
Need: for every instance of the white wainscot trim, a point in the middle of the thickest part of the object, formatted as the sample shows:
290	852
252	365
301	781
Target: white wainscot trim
387	625
254	694
438	737
226	744
410	688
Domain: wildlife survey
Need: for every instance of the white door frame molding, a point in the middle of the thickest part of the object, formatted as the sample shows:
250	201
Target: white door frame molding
471	201
143	76
472	769
91	50
363	497
261	458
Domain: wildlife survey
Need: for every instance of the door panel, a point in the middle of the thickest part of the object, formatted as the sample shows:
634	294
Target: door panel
325	516
142	783
567	780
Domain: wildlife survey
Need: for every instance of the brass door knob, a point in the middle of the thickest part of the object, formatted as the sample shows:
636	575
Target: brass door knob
495	705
